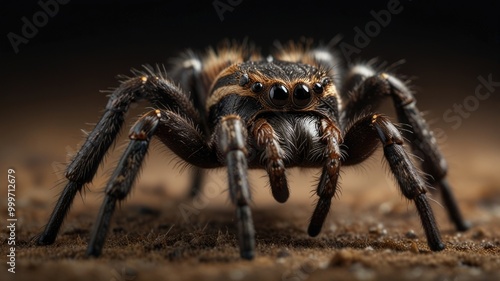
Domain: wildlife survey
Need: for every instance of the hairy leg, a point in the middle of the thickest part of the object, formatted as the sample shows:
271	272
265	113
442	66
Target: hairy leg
173	130
377	127
231	142
157	90
367	90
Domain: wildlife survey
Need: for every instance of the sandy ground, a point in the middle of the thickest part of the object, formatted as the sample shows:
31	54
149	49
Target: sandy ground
372	233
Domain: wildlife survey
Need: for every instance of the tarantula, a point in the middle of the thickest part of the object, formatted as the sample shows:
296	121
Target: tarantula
294	108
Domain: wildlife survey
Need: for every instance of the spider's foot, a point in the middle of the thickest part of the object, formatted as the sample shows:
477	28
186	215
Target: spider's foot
248	255
313	230
93	252
436	247
246	232
318	217
44	239
463	226
452	206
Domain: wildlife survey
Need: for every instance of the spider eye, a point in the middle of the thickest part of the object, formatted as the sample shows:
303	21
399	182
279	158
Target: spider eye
278	94
257	87
301	95
318	88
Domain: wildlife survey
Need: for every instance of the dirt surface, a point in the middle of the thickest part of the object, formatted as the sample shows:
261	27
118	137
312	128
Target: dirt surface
372	233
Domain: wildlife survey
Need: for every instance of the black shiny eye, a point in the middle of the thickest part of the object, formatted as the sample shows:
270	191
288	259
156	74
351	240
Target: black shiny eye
301	95
257	87
278	94
318	88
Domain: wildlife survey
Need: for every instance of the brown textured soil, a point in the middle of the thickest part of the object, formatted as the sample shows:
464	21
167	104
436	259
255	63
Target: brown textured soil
372	233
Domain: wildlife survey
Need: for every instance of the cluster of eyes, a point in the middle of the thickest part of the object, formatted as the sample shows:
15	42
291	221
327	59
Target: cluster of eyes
279	95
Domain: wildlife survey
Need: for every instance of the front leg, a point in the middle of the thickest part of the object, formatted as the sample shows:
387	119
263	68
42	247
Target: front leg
369	90
412	185
121	181
232	146
150	86
173	130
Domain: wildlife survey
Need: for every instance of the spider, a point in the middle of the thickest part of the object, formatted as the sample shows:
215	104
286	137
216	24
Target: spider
294	108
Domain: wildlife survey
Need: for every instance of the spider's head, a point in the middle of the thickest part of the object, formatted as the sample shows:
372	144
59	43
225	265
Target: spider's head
277	85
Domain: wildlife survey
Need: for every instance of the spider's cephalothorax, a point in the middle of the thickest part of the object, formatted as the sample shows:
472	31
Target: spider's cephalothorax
233	108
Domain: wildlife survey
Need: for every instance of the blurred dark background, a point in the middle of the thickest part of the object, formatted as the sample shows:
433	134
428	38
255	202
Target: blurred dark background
50	87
